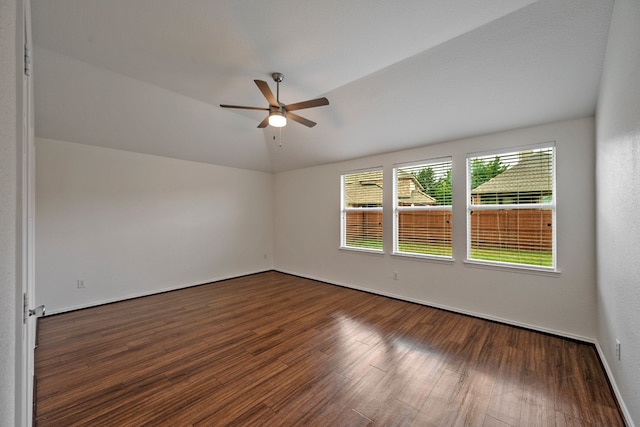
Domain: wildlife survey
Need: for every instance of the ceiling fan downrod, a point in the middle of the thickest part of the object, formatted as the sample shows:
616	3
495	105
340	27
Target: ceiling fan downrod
278	78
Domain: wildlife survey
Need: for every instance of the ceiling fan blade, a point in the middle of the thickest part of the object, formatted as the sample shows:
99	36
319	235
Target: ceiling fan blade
301	120
266	91
307	104
243	107
264	123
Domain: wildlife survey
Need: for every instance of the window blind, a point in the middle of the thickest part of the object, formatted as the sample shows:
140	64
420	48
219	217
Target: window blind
361	224
422	208
511	208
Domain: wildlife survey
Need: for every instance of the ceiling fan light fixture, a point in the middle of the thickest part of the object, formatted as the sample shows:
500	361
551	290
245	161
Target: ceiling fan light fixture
277	119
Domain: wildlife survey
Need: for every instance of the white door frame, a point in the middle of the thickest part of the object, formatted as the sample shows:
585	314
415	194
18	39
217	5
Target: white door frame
27	217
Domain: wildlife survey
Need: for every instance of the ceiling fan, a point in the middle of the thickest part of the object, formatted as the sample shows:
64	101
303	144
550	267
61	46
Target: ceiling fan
279	112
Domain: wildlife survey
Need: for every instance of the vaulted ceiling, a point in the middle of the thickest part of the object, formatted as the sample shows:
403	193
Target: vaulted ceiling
148	75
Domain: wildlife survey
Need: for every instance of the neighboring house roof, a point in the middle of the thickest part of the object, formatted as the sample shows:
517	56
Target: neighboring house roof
531	174
365	189
417	198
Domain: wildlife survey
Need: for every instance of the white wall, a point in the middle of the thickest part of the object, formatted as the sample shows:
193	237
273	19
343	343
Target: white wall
618	208
131	224
307	204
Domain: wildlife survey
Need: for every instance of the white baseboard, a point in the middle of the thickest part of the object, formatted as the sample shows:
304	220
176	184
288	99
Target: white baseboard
449	308
603	360
147	293
623	408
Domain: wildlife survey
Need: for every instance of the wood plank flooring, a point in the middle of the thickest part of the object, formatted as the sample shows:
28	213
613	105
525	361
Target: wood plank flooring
276	350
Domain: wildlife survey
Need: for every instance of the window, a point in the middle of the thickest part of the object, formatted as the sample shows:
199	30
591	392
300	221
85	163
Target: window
511	208
361	219
422	209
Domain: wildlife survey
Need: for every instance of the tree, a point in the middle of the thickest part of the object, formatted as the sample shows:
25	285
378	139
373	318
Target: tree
439	189
442	190
482	172
426	179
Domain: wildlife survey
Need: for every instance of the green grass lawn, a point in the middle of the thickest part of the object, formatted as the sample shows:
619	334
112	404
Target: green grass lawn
424	249
365	244
406	247
541	259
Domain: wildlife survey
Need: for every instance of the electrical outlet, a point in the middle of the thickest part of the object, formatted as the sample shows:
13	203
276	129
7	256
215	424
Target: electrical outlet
618	350
80	284
395	275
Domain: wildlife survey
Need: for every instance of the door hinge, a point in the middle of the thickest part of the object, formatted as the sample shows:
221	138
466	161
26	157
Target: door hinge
38	311
25	307
28	312
27	61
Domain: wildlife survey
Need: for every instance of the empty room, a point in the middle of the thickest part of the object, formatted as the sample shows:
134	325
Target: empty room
282	213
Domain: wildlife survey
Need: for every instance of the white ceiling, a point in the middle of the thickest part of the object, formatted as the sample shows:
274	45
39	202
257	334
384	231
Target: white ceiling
148	75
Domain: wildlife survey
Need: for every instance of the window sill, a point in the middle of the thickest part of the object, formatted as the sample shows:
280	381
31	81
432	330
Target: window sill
362	251
542	271
428	258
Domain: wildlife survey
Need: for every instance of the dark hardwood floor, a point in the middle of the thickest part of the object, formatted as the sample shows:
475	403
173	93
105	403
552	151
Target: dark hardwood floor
276	350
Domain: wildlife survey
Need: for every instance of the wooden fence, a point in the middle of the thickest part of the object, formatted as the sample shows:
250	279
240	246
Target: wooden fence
515	229
364	226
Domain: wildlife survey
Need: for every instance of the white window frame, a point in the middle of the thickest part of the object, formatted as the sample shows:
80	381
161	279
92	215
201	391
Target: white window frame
344	210
542	206
398	209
